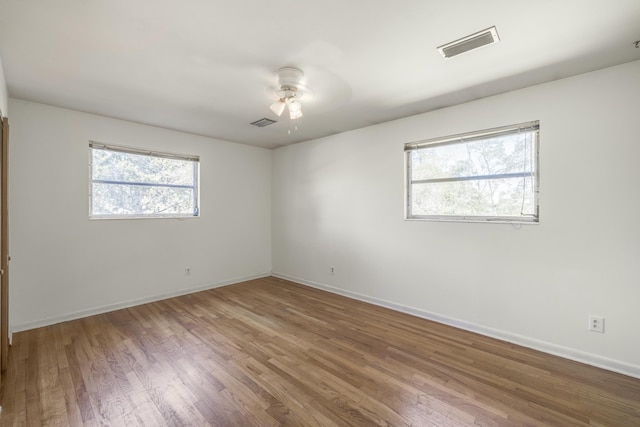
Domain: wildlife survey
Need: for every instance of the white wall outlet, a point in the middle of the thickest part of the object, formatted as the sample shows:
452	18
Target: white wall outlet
596	323
187	271
332	270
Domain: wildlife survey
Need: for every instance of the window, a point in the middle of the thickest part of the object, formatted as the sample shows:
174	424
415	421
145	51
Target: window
490	175
131	183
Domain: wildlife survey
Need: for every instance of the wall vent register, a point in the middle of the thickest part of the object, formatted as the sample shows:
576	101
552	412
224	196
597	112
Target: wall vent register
469	43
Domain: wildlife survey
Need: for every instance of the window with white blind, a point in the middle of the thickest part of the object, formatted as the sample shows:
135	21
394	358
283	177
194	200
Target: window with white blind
133	183
484	176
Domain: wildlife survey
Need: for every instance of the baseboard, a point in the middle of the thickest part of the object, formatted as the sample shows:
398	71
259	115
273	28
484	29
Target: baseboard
129	303
547	347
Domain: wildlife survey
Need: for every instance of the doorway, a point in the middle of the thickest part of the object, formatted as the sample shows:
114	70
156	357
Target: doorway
4	244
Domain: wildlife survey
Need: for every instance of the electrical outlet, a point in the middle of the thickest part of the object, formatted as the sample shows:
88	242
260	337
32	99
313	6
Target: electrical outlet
596	323
332	270
187	271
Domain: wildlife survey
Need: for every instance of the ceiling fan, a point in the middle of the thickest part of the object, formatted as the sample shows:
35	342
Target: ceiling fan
289	92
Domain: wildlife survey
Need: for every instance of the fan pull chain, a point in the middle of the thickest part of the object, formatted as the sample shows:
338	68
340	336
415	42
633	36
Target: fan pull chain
295	125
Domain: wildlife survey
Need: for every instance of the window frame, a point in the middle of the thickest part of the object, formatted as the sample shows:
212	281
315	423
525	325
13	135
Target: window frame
151	153
532	126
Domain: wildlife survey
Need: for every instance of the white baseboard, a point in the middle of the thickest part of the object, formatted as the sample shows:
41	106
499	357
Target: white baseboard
547	347
125	304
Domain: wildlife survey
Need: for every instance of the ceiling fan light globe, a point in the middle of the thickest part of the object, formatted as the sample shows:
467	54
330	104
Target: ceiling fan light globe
295	114
277	107
295	106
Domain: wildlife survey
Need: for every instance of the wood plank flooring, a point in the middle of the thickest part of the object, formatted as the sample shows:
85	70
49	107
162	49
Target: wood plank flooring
270	352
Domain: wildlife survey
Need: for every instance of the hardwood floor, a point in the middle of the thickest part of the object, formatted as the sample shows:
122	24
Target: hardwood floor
270	352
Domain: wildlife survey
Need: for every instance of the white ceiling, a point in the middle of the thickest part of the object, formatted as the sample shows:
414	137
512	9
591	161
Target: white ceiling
202	66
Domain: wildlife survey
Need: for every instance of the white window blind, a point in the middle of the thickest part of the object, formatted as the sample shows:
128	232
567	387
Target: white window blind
134	183
489	175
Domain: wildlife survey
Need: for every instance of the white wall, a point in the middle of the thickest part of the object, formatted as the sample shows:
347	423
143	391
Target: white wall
63	265
338	201
4	97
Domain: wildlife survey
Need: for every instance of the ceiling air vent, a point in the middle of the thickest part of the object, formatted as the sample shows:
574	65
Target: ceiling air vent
470	42
263	122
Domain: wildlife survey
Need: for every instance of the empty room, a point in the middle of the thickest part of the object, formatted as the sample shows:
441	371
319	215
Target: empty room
320	213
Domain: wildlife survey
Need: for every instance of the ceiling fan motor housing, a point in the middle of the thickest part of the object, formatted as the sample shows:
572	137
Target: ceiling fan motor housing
289	76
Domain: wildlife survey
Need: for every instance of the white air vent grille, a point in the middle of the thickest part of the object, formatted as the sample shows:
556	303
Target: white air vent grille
263	122
470	42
